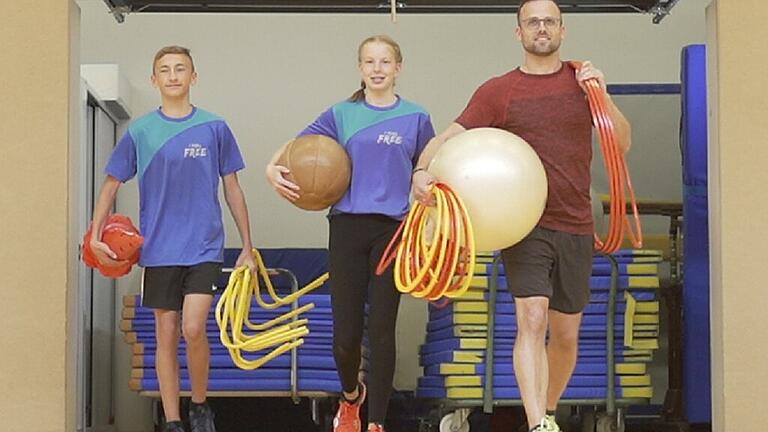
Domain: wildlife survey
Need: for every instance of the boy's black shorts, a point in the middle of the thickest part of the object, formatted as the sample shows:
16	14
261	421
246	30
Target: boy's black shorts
165	287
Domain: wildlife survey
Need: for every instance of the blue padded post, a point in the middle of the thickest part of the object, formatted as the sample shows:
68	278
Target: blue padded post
696	320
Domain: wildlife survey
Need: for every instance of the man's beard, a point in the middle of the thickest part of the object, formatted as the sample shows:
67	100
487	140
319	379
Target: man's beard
542	51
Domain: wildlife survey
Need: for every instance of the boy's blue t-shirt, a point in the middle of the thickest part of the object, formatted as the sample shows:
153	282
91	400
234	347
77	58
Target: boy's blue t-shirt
178	162
384	144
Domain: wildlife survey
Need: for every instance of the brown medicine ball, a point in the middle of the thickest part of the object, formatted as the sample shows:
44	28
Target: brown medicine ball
321	168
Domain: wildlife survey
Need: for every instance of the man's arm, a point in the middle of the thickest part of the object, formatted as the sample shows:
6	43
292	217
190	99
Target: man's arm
621	126
620	123
422	179
434	144
235	198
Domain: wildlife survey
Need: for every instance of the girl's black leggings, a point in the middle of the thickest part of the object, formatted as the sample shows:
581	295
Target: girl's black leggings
356	244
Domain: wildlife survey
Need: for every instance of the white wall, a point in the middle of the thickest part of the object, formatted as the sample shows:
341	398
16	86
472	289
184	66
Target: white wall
270	75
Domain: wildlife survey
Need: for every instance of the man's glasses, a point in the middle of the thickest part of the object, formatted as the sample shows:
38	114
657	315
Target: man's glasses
534	23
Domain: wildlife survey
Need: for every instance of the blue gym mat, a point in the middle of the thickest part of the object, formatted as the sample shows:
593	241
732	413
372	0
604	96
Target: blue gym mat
224	361
307	264
501	355
597	296
500	345
514	393
505	368
228	373
509	309
250	384
510	381
321	301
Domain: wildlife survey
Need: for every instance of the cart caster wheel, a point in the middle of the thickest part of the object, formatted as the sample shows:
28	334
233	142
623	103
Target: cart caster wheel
608	423
426	425
588	420
457	421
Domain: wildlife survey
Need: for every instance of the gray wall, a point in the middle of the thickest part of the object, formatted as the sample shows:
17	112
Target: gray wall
272	74
269	75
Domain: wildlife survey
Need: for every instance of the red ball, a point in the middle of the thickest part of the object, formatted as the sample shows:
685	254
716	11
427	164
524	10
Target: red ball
123	238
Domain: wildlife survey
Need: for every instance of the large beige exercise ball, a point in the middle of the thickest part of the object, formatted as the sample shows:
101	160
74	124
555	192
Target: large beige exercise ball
501	180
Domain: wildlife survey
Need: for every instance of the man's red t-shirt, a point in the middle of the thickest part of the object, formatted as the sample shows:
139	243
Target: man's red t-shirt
552	114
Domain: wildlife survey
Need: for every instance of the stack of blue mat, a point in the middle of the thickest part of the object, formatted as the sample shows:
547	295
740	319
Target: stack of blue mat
316	369
453	356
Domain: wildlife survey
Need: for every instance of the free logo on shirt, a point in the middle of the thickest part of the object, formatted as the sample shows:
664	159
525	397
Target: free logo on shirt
195	151
389	138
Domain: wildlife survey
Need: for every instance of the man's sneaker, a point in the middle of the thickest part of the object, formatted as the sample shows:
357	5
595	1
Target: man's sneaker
547	424
348	416
175	426
376	428
551	424
201	418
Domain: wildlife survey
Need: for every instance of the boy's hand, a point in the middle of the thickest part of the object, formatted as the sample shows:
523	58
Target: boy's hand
105	255
246	258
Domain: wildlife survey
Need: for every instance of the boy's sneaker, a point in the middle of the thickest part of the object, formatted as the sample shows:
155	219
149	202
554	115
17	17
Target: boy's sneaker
201	418
550	424
376	428
348	416
174	426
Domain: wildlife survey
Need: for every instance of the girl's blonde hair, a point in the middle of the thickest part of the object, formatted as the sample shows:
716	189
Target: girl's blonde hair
359	94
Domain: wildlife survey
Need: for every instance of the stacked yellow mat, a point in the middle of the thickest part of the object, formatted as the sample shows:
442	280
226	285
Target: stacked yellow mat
454	354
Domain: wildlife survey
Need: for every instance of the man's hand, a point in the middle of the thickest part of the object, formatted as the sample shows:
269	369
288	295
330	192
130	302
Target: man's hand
284	188
421	184
587	72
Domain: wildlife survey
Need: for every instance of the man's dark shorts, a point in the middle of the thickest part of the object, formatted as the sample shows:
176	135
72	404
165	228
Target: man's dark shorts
552	264
165	287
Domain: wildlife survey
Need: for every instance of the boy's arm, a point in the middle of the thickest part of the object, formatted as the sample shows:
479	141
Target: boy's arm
235	198
104	204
